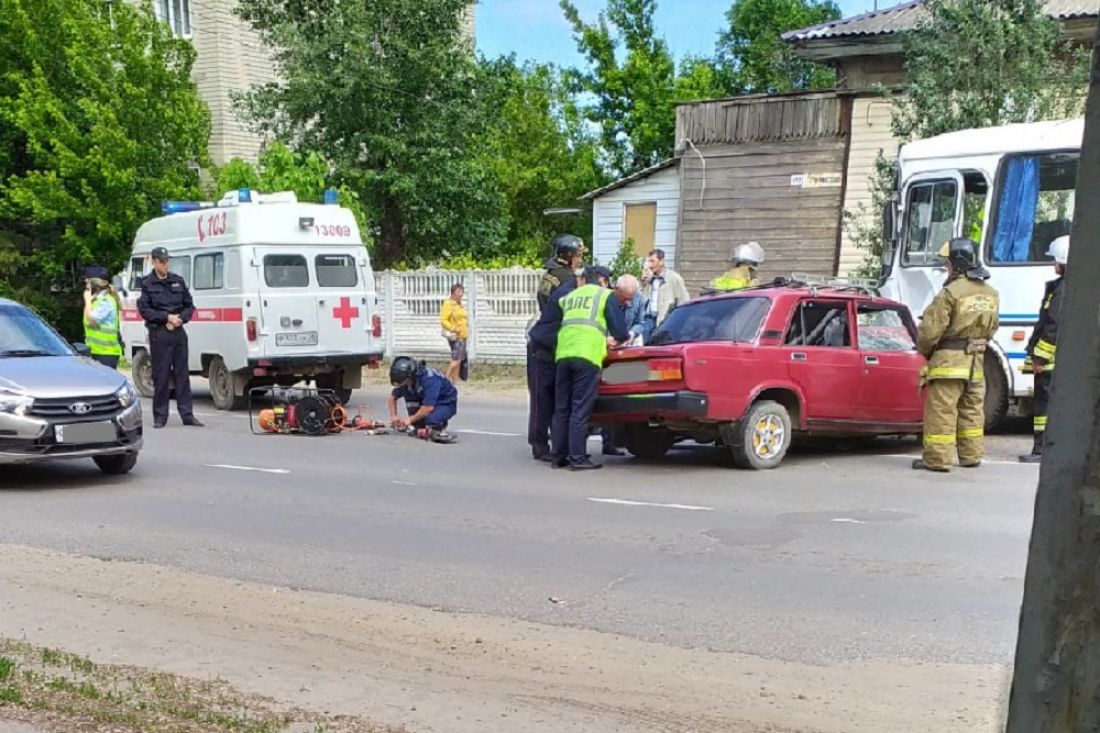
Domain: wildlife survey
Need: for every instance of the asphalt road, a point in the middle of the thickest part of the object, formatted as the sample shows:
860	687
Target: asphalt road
834	556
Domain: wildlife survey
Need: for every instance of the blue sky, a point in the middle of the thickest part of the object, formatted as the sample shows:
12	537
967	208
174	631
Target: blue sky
535	29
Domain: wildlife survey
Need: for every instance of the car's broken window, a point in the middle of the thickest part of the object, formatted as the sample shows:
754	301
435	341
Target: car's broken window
820	324
720	319
883	329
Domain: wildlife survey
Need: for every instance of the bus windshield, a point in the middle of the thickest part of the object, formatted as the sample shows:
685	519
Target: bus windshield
1033	207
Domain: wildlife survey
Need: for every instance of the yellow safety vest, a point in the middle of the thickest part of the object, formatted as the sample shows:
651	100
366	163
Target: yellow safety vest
737	278
583	333
102	338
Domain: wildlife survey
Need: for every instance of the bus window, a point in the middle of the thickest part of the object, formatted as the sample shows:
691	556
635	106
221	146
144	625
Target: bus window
1034	206
929	221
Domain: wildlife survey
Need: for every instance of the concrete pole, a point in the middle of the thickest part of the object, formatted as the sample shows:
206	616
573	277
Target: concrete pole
1056	688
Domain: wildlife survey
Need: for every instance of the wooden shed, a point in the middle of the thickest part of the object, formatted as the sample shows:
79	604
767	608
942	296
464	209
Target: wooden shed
763	168
642	207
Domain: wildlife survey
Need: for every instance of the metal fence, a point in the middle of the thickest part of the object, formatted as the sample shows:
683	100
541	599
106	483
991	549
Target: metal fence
499	304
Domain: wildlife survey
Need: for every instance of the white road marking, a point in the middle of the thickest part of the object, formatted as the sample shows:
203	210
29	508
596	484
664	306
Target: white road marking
627	502
404	483
490	432
847	520
247	468
911	456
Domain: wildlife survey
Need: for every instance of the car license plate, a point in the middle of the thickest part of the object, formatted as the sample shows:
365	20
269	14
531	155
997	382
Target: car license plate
86	432
305	338
626	372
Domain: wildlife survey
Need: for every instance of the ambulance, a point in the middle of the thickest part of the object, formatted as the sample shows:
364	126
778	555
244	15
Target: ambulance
283	291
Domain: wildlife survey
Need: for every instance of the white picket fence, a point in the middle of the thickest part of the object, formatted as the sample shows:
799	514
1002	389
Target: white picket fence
499	304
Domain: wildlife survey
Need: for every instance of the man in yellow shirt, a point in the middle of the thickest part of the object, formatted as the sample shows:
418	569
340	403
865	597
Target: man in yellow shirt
456	329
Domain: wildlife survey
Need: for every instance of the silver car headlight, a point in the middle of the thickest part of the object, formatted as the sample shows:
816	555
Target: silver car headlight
126	395
15	403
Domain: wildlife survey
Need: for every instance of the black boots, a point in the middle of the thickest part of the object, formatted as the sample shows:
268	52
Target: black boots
1036	454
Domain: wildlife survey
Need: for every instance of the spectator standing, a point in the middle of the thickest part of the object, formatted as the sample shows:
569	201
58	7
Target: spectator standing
456	329
663	289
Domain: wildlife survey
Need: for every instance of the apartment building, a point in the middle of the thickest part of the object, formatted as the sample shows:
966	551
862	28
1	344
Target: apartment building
230	57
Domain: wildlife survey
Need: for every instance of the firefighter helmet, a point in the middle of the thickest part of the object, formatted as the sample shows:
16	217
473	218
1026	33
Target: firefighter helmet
1059	250
962	254
402	369
751	254
565	246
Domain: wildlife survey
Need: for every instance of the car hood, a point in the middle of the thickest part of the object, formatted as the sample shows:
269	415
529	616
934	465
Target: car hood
58	376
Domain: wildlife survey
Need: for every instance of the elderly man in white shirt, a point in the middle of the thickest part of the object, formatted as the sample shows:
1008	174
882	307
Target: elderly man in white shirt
663	290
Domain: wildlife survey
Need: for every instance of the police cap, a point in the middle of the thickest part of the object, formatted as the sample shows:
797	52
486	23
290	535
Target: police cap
160	253
95	272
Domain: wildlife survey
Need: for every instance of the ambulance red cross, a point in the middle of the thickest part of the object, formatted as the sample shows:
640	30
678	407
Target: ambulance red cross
283	290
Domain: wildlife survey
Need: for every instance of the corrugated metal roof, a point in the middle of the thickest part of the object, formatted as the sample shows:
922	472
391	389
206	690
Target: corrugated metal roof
908	15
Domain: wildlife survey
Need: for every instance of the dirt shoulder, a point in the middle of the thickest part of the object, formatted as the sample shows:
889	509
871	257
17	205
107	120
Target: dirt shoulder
431	671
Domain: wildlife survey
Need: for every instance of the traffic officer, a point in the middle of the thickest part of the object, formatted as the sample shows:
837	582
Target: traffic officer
953	336
590	315
430	399
542	341
165	304
746	258
568	256
1043	345
101	317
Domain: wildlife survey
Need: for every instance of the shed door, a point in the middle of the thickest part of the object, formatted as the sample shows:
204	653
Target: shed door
641	226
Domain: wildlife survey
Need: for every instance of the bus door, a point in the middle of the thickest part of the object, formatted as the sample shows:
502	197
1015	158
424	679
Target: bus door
932	215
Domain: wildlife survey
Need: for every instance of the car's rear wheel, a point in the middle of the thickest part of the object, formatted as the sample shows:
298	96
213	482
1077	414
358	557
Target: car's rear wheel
116	465
996	391
224	386
649	443
142	369
763	436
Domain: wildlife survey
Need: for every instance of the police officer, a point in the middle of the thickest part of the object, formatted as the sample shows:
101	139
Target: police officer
746	258
590	314
953	336
101	317
166	305
568	256
430	398
1043	345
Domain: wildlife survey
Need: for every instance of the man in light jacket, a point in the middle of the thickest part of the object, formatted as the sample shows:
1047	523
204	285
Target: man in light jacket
663	290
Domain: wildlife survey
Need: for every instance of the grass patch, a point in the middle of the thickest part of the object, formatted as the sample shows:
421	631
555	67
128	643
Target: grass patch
74	693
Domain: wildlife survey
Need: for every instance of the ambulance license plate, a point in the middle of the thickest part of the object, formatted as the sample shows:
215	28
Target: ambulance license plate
305	338
85	432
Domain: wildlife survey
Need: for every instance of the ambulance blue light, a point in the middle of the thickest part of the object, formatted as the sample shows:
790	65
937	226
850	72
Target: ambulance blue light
179	207
332	196
244	196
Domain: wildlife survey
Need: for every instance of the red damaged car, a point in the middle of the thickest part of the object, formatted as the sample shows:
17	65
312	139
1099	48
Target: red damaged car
752	368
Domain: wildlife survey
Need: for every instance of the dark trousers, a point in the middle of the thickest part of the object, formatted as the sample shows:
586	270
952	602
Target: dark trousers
1040	403
541	375
168	350
575	396
106	360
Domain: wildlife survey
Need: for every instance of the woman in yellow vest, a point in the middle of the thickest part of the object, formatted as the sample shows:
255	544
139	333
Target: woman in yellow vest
592	316
102	308
746	258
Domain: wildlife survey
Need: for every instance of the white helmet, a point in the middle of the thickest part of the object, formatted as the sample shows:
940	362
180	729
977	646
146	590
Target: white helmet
1059	250
751	252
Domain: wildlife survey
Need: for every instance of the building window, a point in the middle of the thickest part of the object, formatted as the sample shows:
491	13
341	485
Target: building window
177	14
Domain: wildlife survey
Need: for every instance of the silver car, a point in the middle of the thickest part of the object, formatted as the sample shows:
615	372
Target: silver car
55	402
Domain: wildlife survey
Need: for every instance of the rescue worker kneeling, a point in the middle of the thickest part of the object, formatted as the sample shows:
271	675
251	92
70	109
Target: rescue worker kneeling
431	400
953	336
591	316
746	258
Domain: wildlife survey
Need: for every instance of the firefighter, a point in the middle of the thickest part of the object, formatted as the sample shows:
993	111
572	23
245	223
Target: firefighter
746	258
953	336
430	399
1042	346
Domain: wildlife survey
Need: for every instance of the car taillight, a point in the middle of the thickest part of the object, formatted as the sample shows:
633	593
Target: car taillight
665	370
376	327
250	329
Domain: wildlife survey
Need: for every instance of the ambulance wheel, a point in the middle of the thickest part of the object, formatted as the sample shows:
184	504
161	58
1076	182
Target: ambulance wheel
996	391
142	371
335	382
223	386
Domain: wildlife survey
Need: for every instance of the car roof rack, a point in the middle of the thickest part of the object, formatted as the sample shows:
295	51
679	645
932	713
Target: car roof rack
866	286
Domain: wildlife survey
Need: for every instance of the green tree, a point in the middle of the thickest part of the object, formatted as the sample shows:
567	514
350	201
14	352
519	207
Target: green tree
626	262
99	123
633	78
753	57
281	169
389	94
541	153
978	63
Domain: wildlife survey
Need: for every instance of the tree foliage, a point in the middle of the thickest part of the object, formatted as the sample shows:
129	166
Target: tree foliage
99	123
388	93
753	57
978	63
633	79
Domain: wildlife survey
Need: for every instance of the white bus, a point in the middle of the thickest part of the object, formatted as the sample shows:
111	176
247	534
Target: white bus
1011	189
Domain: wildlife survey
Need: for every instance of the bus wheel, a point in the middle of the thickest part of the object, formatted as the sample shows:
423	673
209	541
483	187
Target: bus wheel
223	386
142	369
996	391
